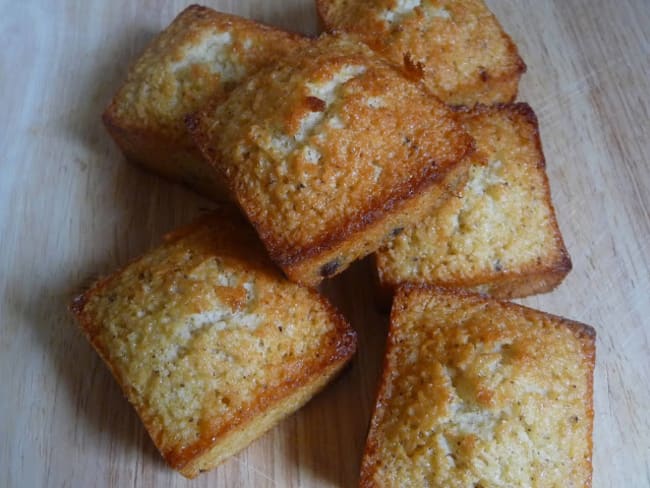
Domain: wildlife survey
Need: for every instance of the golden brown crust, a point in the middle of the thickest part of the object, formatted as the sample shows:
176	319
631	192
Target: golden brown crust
501	238
466	55
142	321
311	270
200	56
314	177
447	327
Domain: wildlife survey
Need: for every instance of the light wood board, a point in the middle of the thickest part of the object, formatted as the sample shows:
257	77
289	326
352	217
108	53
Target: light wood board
71	209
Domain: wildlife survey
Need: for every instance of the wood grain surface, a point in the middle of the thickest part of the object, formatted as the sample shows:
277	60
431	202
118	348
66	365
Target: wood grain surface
71	209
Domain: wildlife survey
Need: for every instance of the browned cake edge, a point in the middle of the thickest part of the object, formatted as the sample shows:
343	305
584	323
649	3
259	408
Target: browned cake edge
157	151
339	346
365	232
237	439
586	334
538	278
363	235
163	155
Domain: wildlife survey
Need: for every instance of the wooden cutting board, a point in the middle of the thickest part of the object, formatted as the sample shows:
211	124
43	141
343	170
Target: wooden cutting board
71	208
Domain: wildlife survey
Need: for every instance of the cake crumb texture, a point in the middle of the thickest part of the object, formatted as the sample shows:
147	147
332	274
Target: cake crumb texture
466	55
322	146
207	338
202	55
499	236
477	392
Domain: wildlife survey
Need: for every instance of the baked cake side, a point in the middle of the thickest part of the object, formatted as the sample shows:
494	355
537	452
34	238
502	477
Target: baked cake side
210	343
500	237
330	152
466	55
477	392
200	56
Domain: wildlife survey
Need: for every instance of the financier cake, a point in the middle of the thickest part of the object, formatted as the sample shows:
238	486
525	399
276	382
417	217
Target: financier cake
477	392
210	343
466	56
201	55
331	151
499	236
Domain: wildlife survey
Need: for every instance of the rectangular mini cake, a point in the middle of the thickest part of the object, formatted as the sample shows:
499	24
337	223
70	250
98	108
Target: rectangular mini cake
330	152
465	55
499	236
477	392
201	55
210	343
